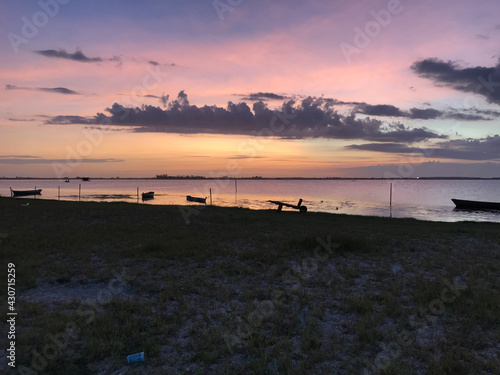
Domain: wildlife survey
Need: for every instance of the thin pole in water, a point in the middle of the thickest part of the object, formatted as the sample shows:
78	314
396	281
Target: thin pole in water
79	191
137	195
235	191
390	199
58	193
34	195
210	197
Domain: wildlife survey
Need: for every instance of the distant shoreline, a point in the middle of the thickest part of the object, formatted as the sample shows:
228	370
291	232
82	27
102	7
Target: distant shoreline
258	178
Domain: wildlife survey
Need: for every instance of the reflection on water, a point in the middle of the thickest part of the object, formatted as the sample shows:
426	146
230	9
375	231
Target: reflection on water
477	215
420	199
110	196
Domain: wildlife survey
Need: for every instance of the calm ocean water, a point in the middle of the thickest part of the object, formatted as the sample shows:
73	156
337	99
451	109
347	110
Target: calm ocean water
420	199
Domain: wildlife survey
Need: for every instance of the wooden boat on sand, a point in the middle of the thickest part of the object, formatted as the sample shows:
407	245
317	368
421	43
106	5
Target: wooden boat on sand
476	205
196	199
24	193
148	195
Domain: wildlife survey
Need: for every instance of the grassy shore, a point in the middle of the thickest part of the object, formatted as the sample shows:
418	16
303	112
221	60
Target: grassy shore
236	291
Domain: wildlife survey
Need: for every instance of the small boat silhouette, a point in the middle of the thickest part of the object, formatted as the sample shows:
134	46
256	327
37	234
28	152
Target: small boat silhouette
476	205
148	195
196	199
24	193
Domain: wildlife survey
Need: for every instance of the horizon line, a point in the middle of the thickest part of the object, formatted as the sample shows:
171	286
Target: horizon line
255	178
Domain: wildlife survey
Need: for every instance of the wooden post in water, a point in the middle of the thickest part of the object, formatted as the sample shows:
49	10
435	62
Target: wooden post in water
79	191
235	191
137	195
34	195
58	193
210	197
390	200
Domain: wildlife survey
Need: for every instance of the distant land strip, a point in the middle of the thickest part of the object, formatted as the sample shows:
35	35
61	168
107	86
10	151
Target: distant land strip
255	178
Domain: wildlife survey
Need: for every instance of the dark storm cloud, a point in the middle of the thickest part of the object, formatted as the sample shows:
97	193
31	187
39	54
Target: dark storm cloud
424	114
56	90
465	117
380	110
463	149
164	100
484	81
62	54
386	110
385	147
308	118
78	56
20	119
263	96
59	90
487	112
66	120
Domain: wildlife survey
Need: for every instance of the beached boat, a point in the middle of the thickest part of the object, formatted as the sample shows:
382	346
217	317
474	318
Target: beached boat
196	199
148	195
476	205
24	193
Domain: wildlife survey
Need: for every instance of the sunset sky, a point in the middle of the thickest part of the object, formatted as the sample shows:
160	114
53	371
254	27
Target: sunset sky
311	88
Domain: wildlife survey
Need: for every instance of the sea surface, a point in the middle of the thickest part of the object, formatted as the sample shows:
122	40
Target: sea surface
420	199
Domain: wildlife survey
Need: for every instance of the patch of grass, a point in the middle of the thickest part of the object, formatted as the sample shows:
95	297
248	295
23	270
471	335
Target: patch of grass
311	341
455	361
396	367
193	279
360	304
209	345
426	291
325	244
390	304
367	328
68	366
119	330
482	306
351	271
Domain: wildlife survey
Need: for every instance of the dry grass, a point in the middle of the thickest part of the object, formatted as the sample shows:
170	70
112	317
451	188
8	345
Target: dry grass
250	292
